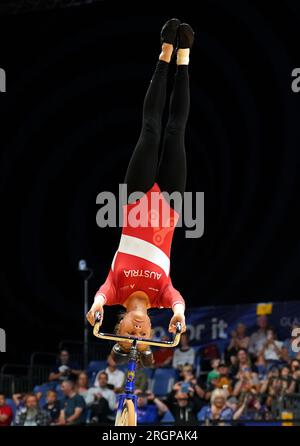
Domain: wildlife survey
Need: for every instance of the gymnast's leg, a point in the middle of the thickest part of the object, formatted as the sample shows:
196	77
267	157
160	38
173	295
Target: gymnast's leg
142	167
171	174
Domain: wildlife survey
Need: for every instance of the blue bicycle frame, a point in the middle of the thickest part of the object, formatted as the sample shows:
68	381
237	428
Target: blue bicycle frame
130	381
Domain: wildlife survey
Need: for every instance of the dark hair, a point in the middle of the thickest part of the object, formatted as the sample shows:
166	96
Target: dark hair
243	350
295	360
117	326
103	373
247	354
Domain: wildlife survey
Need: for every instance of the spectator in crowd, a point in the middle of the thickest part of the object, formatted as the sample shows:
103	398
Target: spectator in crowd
233	403
185	354
200	392
19	400
261	366
6	413
285	358
247	383
248	407
271	349
184	401
207	354
52	406
212	380
295	372
218	412
101	400
278	384
224	380
150	409
31	414
163	356
213	374
189	384
115	376
238	340
288	383
100	412
259	337
82	385
243	363
72	405
238	408
186	373
65	369
295	365
287	345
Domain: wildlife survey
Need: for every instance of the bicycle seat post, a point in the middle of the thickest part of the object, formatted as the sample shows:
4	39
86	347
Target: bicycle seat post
133	351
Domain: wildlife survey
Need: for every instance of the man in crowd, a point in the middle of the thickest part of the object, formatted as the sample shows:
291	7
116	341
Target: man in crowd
150	409
259	337
31	414
101	400
72	406
65	369
184	406
52	406
115	376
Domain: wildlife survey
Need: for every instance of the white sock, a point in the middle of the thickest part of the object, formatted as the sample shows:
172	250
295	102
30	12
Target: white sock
183	56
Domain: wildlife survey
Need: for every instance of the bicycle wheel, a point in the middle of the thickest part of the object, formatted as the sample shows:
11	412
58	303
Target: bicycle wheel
127	416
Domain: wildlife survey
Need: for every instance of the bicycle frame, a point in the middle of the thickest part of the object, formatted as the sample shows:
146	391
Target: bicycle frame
130	381
133	356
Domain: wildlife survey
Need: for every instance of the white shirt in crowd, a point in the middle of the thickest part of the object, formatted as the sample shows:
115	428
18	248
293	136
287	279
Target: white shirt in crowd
108	394
181	358
257	341
270	352
115	378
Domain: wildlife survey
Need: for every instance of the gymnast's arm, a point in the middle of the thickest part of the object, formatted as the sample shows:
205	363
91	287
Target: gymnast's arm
171	298
106	295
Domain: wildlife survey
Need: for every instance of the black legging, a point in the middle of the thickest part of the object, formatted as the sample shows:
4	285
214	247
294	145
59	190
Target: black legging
170	171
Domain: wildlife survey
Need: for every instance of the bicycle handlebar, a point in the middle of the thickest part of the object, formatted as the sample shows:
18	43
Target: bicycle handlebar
119	338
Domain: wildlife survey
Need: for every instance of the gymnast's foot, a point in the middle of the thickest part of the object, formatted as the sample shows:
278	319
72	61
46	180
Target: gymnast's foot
185	43
168	38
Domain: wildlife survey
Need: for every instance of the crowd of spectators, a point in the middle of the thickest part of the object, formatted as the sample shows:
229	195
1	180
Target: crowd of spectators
249	380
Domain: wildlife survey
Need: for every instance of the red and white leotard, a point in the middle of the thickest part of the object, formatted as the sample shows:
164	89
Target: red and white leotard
142	261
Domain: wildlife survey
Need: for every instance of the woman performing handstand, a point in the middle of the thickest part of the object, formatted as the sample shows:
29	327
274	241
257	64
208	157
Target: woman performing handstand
139	277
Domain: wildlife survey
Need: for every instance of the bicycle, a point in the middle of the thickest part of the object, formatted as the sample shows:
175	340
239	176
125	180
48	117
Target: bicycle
127	404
